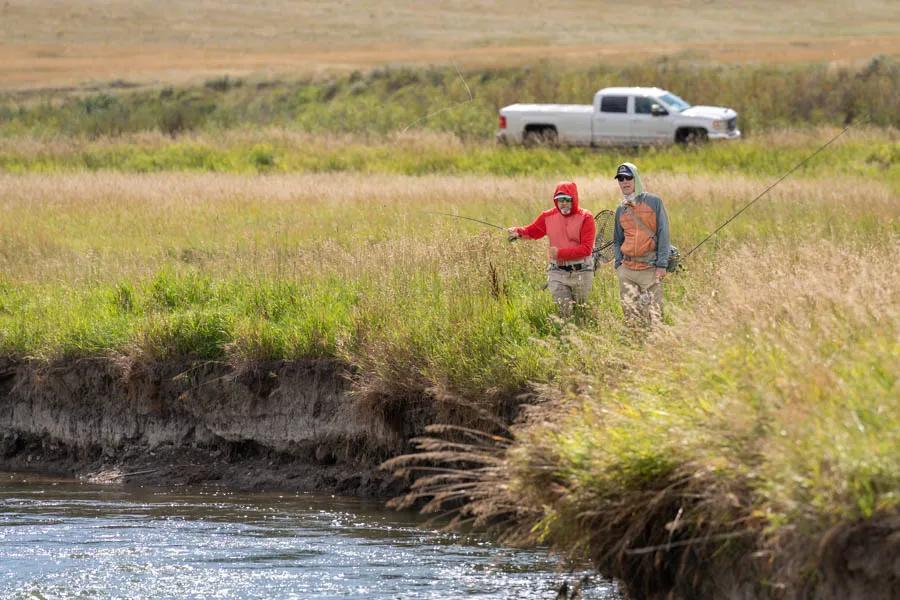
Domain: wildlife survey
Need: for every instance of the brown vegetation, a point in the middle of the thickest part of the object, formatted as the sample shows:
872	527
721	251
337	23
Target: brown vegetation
104	227
49	45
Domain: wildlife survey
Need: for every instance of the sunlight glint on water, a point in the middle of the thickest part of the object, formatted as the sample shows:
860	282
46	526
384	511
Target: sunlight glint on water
68	540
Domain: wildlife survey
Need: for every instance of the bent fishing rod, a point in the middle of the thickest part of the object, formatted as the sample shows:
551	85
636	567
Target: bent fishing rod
765	191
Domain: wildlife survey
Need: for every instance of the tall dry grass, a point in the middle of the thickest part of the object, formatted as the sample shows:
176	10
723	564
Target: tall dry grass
233	268
761	416
738	440
105	227
859	152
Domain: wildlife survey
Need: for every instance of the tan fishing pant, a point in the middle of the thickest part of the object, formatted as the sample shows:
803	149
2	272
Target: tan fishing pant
642	296
569	288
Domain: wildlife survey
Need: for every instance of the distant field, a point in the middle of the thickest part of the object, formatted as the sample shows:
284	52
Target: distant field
464	103
860	152
45	44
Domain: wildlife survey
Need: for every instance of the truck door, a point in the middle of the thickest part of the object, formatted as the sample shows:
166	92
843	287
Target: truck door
610	125
649	128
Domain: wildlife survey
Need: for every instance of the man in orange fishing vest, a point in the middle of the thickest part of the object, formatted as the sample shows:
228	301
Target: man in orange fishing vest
641	244
571	232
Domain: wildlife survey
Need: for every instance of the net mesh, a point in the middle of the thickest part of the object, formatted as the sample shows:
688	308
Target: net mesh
603	243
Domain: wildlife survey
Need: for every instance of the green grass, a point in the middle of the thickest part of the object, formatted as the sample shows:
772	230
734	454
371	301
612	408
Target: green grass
776	392
386	101
863	152
413	330
766	415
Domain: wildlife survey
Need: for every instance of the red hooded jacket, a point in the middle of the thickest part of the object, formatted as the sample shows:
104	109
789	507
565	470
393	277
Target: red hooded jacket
573	234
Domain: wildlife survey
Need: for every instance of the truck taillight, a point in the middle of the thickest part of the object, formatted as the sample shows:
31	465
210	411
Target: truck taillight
502	122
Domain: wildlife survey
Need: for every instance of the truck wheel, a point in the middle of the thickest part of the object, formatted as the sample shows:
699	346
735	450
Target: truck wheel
691	136
546	136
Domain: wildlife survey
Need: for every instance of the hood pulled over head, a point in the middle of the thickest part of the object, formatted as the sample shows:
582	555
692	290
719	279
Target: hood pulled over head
638	184
566	188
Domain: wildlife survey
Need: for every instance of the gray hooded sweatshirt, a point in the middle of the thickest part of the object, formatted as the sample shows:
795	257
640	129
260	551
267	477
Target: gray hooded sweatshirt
655	203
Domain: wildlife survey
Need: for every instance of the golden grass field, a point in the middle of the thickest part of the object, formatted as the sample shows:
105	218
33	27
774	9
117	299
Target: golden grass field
48	44
100	228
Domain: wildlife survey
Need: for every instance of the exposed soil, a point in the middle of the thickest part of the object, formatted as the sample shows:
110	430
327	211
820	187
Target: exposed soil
859	560
285	425
294	425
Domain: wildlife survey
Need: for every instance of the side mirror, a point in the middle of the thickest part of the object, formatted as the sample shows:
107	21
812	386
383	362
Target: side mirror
658	111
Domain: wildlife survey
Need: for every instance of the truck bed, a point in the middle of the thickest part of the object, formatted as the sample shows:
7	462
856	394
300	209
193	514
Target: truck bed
571	121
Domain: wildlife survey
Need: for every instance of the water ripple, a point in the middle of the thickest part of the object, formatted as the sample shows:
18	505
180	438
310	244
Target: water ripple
71	540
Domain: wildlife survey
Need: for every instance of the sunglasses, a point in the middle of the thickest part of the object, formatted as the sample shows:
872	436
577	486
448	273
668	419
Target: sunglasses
564	198
624	177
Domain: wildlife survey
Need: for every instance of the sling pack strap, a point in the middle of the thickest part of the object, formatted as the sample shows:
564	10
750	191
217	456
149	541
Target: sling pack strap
641	223
650	257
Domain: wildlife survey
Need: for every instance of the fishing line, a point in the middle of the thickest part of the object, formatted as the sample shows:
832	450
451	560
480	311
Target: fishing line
765	191
446	108
432	212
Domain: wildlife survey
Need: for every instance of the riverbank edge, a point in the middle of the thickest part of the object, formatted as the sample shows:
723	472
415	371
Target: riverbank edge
286	425
275	424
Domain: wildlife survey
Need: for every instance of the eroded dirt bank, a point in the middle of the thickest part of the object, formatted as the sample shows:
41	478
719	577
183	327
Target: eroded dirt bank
296	426
278	424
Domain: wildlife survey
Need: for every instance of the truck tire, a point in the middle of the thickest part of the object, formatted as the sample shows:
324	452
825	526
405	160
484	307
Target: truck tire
540	136
691	135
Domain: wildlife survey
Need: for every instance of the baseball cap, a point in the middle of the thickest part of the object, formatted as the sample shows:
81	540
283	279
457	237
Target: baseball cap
623	170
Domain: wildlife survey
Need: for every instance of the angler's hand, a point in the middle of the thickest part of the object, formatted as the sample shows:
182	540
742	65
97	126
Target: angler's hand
513	234
660	274
554	253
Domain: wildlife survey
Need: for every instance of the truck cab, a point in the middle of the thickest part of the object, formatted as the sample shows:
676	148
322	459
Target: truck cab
640	115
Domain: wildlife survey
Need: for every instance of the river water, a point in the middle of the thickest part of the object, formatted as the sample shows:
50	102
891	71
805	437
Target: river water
66	539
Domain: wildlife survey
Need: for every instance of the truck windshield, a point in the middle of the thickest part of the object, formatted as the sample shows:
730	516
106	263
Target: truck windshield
674	102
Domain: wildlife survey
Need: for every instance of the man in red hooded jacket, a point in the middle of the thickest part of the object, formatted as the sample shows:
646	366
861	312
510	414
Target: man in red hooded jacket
571	232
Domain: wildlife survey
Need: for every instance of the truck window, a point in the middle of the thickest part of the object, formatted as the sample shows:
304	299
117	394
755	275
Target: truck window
614	104
642	105
675	103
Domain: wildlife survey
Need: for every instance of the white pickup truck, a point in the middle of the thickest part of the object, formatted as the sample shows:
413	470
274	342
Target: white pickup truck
619	116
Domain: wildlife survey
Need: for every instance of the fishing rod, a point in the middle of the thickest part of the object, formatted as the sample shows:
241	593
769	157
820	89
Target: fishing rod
765	191
511	238
431	212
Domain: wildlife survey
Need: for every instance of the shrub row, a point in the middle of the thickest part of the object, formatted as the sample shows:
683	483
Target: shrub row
388	100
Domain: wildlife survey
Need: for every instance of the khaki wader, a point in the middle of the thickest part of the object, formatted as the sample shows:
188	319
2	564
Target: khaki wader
642	296
569	288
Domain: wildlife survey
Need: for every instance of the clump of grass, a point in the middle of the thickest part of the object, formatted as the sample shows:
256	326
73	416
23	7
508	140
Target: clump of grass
766	416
